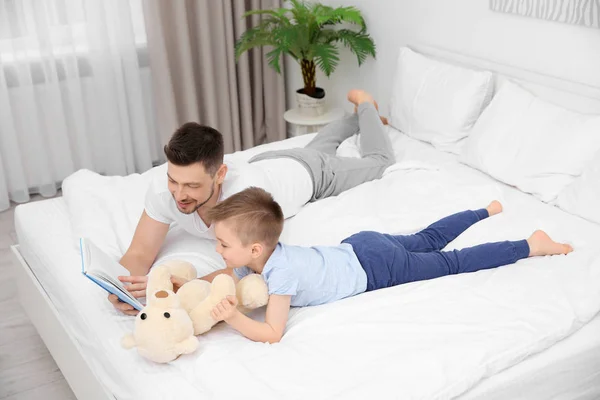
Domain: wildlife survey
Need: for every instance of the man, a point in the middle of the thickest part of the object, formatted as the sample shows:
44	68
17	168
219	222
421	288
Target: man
198	178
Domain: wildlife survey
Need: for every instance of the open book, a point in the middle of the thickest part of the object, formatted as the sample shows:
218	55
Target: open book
103	271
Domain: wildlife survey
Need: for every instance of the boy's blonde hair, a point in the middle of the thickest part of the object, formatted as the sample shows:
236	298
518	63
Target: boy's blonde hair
256	215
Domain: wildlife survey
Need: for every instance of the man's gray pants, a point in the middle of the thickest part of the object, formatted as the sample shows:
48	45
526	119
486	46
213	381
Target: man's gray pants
331	175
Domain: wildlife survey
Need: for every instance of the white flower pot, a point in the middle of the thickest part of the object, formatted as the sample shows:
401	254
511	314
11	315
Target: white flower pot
311	106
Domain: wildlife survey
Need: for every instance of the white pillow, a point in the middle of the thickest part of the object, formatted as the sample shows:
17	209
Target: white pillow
529	143
437	102
582	197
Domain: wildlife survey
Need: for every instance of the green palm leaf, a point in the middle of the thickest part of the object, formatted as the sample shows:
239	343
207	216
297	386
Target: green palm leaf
273	58
330	16
327	57
359	43
253	37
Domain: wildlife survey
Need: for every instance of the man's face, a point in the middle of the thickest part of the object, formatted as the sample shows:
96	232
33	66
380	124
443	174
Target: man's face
191	186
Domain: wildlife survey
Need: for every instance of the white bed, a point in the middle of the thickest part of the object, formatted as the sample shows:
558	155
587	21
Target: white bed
526	331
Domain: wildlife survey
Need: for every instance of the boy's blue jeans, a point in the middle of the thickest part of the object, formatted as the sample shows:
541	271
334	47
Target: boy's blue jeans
390	260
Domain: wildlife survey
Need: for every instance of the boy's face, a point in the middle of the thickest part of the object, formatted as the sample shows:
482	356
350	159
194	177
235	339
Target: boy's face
191	186
230	247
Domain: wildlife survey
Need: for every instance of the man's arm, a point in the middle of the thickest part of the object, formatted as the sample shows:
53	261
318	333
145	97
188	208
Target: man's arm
269	331
179	282
147	240
145	245
226	271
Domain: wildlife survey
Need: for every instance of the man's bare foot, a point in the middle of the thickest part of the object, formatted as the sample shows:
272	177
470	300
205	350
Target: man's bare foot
358	97
374	103
384	120
494	208
540	244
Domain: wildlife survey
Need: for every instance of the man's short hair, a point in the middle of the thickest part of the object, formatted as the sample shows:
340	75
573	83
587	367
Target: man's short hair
256	215
194	143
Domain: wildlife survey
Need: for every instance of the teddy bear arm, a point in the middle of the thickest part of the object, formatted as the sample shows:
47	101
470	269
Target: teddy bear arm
193	293
201	318
222	286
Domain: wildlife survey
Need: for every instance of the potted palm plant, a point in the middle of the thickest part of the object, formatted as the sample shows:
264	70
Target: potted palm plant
309	34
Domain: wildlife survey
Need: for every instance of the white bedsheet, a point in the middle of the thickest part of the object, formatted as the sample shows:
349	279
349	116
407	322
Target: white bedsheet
568	370
433	339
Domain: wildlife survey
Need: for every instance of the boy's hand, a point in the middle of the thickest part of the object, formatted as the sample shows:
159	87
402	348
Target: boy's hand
226	309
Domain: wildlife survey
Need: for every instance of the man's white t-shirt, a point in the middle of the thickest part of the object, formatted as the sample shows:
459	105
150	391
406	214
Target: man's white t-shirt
286	179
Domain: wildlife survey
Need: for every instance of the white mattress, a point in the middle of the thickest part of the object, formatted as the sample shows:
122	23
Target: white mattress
374	344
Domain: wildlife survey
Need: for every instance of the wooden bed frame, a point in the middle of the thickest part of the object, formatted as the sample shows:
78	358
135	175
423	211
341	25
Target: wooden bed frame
66	350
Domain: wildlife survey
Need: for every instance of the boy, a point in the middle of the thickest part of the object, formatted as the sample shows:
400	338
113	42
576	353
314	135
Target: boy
248	225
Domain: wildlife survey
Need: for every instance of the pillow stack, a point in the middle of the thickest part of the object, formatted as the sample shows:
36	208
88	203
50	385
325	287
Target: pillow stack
529	143
519	139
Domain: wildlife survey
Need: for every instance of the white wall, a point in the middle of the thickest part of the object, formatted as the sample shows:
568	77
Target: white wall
466	26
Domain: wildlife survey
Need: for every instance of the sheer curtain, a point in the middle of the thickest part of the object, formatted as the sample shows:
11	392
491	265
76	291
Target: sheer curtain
74	93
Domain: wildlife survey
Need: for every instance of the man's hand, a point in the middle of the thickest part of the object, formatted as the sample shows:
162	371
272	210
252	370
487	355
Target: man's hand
121	306
226	309
136	285
137	288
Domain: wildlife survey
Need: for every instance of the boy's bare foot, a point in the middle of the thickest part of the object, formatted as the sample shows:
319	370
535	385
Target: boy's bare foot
540	244
494	208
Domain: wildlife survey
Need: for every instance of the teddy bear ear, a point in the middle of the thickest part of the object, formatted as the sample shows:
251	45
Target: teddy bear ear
164	299
128	341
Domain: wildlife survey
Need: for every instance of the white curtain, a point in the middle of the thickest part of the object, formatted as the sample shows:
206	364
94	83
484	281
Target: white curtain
74	93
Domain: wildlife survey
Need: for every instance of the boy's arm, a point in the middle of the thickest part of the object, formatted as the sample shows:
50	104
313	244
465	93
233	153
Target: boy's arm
270	331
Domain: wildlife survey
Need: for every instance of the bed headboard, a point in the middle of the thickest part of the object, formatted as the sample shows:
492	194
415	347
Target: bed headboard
576	96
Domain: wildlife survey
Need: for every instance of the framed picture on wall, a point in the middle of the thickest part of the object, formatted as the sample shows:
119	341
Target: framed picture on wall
576	12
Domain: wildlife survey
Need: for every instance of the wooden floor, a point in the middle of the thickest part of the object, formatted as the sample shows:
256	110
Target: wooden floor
27	370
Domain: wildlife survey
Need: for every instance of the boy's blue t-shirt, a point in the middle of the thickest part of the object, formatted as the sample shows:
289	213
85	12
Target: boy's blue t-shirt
312	275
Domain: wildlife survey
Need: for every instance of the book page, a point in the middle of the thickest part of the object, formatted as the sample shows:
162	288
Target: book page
109	287
99	266
114	282
96	259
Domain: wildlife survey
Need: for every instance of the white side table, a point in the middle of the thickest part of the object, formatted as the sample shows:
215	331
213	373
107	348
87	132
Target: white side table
305	124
